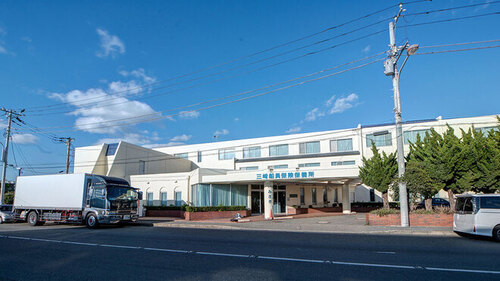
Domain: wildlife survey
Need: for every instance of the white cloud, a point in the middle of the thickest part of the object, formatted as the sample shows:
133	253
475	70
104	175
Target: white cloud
111	45
314	114
3	33
344	103
189	114
236	119
172	143
366	49
293	130
182	137
220	133
88	112
24	138
138	73
135	138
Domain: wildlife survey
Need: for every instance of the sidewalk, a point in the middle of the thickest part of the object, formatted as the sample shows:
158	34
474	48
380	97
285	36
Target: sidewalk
337	223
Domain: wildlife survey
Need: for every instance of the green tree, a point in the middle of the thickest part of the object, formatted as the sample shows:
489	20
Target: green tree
379	172
419	182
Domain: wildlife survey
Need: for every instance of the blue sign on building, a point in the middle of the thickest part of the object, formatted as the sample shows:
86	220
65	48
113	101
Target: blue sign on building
294	175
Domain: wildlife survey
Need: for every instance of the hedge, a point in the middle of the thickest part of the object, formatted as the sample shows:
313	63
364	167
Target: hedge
173	208
215	208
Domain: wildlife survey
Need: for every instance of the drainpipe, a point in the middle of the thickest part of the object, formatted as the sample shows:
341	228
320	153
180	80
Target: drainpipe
189	190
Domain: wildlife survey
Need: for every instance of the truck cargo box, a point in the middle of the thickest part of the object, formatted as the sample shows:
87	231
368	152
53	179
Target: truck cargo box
58	192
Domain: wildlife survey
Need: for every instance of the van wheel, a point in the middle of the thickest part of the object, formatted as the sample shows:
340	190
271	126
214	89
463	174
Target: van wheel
33	218
92	221
496	232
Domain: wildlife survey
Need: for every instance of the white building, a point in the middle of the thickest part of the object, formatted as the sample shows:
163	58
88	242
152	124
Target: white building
281	172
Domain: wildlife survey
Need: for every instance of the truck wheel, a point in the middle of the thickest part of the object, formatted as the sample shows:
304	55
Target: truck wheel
496	233
92	221
33	218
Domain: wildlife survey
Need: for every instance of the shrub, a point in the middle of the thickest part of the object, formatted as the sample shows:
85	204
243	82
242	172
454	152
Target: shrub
384	212
173	208
215	208
373	204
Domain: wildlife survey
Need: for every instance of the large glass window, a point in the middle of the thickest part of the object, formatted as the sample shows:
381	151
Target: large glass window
181	155
282	166
142	167
325	196
163	198
239	195
278	150
314	199
335	195
250	168
379	139
486	130
341	145
343	163
309	147
309	165
411	136
219	195
149	198
251	152
302	196
199	156
178	198
111	150
226	154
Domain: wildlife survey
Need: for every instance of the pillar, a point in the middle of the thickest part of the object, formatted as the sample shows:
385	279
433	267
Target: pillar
268	200
346	202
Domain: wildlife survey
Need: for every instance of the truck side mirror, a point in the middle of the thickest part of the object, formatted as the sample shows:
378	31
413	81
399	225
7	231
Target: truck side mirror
139	195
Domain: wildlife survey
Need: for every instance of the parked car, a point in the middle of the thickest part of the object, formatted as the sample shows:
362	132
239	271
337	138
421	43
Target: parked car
478	215
6	214
436	202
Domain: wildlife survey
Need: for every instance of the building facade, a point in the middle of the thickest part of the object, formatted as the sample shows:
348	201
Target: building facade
269	175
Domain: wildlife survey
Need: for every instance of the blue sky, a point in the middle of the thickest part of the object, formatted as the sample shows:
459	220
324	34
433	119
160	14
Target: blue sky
110	51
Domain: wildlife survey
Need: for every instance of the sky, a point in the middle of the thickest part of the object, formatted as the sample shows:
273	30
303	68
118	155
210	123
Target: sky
78	66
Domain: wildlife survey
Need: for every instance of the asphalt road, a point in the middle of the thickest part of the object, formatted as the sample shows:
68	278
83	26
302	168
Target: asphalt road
55	252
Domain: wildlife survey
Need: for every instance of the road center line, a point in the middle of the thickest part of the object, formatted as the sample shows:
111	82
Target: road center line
262	257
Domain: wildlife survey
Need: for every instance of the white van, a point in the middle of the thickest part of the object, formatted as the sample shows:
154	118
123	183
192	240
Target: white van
478	214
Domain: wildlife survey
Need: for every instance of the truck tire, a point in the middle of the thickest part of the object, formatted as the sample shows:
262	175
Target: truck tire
496	233
33	218
91	221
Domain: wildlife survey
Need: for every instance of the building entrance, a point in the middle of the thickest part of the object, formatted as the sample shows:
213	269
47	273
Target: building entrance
279	202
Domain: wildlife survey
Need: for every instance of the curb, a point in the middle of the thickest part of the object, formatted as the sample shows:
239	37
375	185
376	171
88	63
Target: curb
373	232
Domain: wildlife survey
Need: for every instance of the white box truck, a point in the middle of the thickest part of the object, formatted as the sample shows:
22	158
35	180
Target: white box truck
75	198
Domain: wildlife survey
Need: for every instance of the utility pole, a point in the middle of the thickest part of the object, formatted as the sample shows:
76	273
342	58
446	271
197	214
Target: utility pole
10	113
391	70
67	141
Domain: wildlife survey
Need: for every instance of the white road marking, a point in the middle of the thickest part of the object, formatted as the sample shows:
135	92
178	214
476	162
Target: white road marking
222	254
392	253
263	257
290	259
79	243
166	250
462	270
119	246
374	264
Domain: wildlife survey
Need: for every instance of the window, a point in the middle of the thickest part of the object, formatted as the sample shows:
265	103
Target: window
490	202
314	199
411	136
199	156
282	166
181	155
468	206
335	196
149	199
383	138
226	154
486	130
219	195
302	199
98	199
163	198
372	195
309	147
278	150
251	152
309	165
142	167
178	198
111	150
325	196
250	168
341	145
343	163
459	206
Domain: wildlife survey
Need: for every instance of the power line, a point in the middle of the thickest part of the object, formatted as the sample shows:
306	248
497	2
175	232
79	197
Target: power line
459	50
212	106
352	132
460	44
